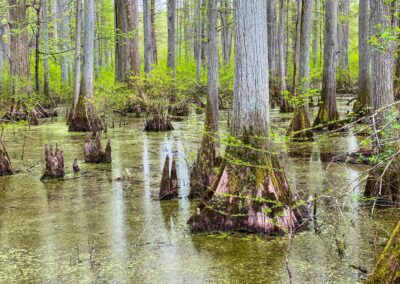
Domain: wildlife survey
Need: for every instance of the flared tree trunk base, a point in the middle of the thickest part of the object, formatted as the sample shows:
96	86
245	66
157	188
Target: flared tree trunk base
300	127
78	118
202	173
94	153
327	119
383	185
250	199
54	163
158	123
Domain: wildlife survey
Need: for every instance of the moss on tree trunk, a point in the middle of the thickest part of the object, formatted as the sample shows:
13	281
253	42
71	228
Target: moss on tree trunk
387	269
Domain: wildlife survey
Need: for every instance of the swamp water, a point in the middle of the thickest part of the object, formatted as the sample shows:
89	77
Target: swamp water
92	228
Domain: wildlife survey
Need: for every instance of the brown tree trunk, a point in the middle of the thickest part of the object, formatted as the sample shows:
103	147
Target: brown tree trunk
54	163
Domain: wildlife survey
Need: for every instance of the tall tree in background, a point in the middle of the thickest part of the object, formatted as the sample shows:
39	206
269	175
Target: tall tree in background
19	68
226	33
127	57
147	35
327	113
363	102
153	31
171	11
299	128
316	24
63	33
284	105
272	47
45	39
199	38
84	116
343	46
202	174
242	195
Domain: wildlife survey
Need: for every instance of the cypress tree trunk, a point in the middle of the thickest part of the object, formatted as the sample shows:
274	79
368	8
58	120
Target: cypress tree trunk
45	36
272	48
63	32
384	181
19	44
299	128
363	102
171	10
343	46
284	107
243	197
147	34
202	174
153	31
127	57
327	113
315	33
226	33
84	117
199	39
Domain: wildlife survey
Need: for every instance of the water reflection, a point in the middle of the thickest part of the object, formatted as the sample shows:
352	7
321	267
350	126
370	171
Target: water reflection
94	228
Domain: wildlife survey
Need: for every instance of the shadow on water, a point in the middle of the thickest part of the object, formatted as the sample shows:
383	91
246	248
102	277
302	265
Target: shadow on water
97	227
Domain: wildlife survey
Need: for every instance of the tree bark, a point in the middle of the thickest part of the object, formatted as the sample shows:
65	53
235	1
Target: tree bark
202	173
241	197
328	114
284	106
272	48
127	57
363	102
147	31
343	46
299	128
226	33
199	41
19	44
171	10
384	181
45	36
153	31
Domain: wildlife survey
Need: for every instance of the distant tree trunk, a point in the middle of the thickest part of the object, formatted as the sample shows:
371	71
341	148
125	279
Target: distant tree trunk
84	117
299	128
226	33
45	36
19	43
343	46
384	181
272	48
37	46
328	114
63	32
363	102
148	44
153	32
78	43
315	33
171	10
284	107
241	196
199	41
127	57
203	174
186	33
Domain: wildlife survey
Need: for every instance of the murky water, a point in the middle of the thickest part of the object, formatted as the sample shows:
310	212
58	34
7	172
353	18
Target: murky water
91	228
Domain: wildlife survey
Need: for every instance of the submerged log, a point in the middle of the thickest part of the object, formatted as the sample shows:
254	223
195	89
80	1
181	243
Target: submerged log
5	163
247	198
169	183
388	265
94	153
54	163
158	123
